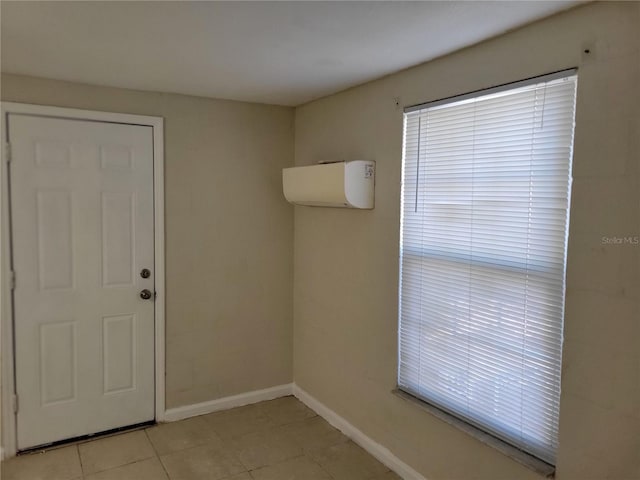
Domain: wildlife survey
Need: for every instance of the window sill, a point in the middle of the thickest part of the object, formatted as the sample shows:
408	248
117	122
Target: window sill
529	461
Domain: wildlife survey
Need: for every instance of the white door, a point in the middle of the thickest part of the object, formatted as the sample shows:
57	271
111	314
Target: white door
82	231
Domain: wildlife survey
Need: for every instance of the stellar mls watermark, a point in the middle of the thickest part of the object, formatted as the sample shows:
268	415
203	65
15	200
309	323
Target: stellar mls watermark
625	240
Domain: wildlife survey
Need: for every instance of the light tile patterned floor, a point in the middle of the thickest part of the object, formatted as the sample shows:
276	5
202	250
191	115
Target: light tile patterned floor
277	440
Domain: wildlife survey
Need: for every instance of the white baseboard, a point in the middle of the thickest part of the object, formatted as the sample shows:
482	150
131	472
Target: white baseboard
179	413
379	452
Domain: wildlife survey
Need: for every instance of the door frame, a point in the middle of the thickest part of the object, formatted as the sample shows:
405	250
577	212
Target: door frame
7	372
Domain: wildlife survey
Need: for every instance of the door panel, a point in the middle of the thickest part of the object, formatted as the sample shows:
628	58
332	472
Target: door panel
55	258
117	239
82	228
119	347
58	362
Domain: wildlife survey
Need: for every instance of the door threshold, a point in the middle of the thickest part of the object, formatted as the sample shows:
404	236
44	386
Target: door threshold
85	438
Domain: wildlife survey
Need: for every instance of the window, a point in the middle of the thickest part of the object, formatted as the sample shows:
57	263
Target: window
485	205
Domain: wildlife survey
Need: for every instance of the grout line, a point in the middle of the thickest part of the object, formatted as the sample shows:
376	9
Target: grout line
123	464
164	468
320	465
153	447
79	461
241	462
276	463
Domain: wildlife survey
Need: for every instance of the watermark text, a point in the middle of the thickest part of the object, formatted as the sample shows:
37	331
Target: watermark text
624	240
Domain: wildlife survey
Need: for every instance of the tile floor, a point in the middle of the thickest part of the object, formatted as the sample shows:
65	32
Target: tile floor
276	440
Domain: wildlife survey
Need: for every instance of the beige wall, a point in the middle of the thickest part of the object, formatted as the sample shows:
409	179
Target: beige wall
228	233
346	262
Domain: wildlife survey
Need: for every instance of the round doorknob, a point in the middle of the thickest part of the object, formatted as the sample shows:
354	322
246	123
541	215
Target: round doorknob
145	294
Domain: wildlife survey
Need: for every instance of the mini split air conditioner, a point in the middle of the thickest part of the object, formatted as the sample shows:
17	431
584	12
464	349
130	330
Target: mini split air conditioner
339	184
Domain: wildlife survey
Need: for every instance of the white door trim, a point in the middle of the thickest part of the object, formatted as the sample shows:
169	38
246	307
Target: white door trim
6	310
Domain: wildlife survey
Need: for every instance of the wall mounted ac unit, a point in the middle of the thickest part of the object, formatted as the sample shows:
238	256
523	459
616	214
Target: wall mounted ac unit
339	184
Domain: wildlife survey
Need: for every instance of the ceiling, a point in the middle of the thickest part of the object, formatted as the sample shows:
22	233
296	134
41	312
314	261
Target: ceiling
285	53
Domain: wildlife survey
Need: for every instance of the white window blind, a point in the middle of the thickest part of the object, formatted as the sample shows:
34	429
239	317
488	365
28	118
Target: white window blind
485	202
